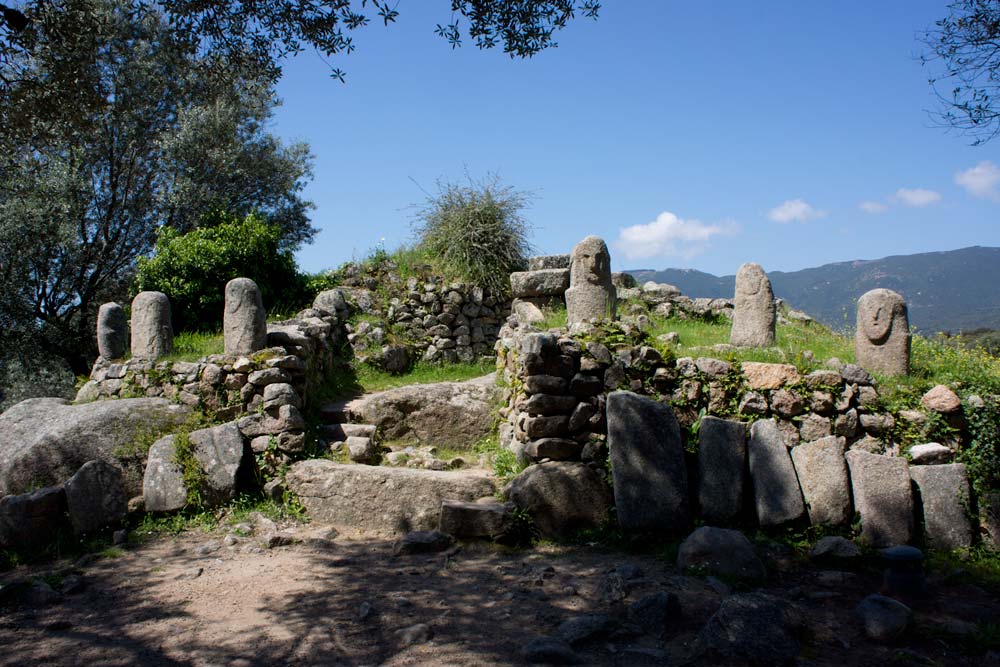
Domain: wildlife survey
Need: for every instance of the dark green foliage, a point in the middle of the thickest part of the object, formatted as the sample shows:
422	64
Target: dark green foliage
193	268
476	232
982	454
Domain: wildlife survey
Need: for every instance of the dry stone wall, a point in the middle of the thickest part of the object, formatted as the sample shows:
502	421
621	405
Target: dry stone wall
808	447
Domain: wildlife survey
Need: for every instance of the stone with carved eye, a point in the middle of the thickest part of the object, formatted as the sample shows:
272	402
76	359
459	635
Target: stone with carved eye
754	312
591	294
882	341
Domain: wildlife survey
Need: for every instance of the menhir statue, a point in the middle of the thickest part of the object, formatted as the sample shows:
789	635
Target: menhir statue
753	313
882	343
591	295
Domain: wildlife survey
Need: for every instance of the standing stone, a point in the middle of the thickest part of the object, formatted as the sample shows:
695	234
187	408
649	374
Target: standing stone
112	331
95	496
152	333
822	474
882	342
944	495
591	295
647	464
753	315
722	453
775	486
244	323
881	486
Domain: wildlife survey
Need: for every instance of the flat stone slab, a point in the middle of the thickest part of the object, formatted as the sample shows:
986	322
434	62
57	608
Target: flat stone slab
776	492
826	486
944	496
881	486
722	455
381	501
647	464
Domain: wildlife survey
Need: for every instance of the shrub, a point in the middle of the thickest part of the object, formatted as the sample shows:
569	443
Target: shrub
193	268
476	232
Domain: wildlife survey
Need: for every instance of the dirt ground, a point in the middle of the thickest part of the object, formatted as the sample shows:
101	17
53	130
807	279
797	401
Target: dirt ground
194	600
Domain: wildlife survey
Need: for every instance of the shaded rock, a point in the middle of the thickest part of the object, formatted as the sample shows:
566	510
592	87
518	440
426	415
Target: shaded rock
881	488
943	493
422	542
813	427
550	650
421	633
655	611
46	440
823	478
95	496
220	453
787	403
380	500
722	452
562	498
834	547
755	627
720	552
31	519
753	404
584	628
647	464
776	488
854	374
444	414
883	618
488	520
557	449
112	331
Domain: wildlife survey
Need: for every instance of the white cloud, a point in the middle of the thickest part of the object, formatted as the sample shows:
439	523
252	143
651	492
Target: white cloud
916	197
873	207
794	210
983	180
669	235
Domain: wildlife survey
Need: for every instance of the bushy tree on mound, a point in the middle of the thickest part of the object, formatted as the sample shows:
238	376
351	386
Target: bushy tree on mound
476	232
193	268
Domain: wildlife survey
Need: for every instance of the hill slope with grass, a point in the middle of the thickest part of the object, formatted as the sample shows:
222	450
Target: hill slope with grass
953	290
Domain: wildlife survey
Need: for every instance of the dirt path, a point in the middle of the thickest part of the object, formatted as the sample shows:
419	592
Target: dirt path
194	601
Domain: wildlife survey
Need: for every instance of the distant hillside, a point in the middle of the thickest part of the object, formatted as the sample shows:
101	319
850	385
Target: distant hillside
946	291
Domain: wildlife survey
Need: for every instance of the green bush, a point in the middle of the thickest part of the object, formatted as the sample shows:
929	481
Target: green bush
193	268
476	232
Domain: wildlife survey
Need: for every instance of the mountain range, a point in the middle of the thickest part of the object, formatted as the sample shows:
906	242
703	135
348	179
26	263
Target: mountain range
953	290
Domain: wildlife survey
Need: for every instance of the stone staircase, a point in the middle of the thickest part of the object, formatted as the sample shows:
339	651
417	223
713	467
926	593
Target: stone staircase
360	440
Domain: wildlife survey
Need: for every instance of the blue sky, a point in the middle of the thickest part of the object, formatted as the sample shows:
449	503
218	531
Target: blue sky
686	134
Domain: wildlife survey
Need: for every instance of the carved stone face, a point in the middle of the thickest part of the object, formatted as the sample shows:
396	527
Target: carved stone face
875	315
590	262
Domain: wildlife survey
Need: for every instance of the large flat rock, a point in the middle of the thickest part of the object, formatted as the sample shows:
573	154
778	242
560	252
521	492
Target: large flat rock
882	496
44	441
943	492
647	464
776	492
826	486
379	500
442	414
722	456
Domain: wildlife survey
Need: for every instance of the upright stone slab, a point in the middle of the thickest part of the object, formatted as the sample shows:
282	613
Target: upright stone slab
95	496
244	323
647	464
112	331
220	454
944	495
823	477
591	294
882	341
753	314
775	487
152	333
881	487
722	454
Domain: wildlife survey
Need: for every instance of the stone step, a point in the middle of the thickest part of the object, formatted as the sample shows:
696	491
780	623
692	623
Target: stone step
342	432
334	413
